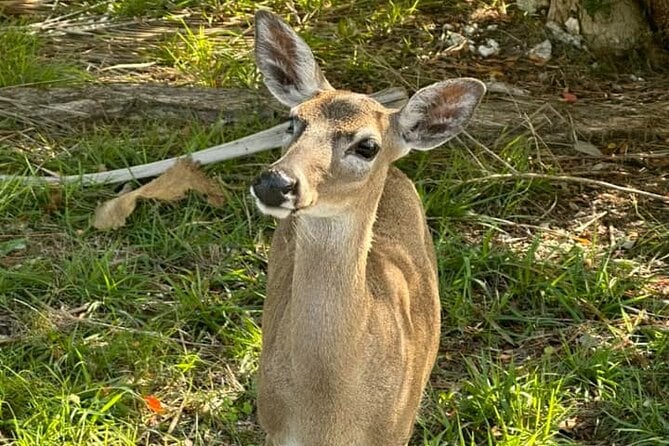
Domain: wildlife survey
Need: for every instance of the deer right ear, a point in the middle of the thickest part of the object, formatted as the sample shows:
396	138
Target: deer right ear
438	112
288	66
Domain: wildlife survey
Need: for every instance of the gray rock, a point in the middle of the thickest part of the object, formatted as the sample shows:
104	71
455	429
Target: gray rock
491	47
542	52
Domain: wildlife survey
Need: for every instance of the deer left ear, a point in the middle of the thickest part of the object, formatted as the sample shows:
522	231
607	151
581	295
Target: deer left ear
286	61
438	112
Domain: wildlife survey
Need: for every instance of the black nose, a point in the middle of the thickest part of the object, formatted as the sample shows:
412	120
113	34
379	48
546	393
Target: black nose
272	187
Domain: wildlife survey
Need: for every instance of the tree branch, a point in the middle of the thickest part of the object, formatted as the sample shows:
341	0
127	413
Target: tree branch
258	142
565	179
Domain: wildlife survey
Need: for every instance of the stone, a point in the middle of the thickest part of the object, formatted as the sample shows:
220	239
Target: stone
564	36
541	53
531	6
572	26
491	47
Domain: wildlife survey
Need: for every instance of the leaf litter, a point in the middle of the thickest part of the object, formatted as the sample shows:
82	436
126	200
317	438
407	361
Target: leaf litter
183	176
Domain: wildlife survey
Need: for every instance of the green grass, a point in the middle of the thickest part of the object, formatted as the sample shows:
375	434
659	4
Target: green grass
360	39
549	337
172	303
24	64
209	63
533	338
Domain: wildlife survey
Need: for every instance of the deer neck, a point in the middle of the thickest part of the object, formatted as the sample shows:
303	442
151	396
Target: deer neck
330	304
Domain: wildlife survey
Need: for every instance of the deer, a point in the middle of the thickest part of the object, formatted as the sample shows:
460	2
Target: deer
351	317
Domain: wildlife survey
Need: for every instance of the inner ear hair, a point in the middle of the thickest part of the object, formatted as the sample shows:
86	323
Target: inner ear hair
288	66
438	112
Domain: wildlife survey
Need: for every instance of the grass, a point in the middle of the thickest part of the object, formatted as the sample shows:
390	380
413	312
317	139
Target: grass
346	34
24	64
550	336
208	63
534	338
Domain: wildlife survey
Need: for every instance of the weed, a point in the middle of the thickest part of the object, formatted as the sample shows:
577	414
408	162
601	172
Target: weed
211	64
139	8
22	63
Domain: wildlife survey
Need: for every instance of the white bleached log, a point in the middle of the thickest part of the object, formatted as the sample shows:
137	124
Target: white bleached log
258	142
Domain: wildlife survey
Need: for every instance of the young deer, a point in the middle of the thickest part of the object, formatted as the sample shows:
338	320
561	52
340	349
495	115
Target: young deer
351	320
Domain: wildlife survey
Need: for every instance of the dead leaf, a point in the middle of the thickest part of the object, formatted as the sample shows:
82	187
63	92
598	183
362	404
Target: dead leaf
153	404
569	97
54	201
183	176
587	148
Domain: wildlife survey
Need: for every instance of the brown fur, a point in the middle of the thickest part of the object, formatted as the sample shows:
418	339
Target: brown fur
351	319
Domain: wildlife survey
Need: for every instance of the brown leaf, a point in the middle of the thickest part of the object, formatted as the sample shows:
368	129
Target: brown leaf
183	176
587	148
154	404
569	97
54	201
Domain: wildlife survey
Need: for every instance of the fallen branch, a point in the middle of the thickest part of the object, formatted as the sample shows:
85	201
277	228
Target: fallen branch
565	179
258	142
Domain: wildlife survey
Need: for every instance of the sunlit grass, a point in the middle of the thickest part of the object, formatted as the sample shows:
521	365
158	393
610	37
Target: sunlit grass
23	64
211	63
170	306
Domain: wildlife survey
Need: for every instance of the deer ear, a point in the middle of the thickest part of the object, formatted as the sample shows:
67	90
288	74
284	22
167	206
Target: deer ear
288	66
438	112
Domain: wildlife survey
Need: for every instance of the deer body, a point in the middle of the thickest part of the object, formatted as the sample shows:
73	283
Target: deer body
351	320
348	343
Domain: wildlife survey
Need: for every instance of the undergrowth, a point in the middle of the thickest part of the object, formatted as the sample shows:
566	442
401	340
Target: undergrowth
24	64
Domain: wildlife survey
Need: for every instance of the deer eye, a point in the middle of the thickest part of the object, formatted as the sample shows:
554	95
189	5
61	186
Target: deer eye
295	127
291	127
366	149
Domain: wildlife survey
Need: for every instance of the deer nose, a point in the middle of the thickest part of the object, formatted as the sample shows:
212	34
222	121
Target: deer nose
273	188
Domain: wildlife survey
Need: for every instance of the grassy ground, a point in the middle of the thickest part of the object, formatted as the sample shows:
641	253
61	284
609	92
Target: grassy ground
555	297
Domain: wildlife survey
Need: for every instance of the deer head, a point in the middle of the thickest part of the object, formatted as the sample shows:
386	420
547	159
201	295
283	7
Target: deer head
340	144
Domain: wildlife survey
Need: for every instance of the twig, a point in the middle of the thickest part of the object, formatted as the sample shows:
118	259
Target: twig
258	142
582	227
567	179
490	152
128	66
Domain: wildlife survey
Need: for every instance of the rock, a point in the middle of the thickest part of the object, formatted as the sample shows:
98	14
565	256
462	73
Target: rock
531	6
572	26
564	36
470	30
491	47
587	148
455	39
628	244
541	53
